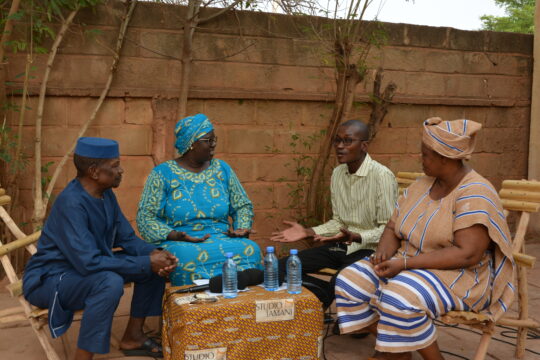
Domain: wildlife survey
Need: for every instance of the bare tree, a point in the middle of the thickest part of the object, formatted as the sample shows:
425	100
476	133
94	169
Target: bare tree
196	15
348	40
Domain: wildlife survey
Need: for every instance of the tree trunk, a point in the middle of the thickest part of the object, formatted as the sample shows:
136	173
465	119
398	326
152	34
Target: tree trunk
347	80
380	103
6	35
191	22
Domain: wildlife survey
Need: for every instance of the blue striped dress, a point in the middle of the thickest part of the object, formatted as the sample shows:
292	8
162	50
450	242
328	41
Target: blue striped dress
405	305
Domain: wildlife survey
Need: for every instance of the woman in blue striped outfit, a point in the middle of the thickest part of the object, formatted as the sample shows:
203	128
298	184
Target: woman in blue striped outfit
446	247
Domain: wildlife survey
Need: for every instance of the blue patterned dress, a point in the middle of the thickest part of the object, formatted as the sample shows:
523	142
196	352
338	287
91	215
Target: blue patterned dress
198	204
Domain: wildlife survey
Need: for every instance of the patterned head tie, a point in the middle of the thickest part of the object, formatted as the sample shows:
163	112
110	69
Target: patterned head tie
190	129
452	139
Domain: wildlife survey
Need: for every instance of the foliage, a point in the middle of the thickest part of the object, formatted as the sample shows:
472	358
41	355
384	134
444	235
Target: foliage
519	17
31	27
302	162
8	145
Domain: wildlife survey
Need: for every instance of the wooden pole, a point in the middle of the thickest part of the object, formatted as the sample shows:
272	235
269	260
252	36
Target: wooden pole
534	137
523	298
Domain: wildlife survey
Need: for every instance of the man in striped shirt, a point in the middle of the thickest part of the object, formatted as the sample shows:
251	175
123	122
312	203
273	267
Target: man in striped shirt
363	194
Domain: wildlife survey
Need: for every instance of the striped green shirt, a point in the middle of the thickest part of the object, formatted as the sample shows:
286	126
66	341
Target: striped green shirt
362	202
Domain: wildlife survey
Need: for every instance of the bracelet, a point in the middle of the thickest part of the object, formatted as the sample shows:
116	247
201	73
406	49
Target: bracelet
405	262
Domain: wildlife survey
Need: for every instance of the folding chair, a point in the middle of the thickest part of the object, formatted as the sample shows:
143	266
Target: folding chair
37	317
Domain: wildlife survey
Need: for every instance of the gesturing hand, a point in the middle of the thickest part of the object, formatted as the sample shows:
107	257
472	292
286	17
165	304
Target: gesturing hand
162	262
239	233
389	268
344	235
182	236
294	233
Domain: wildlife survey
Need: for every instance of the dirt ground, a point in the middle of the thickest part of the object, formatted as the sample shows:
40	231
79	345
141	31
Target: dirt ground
17	340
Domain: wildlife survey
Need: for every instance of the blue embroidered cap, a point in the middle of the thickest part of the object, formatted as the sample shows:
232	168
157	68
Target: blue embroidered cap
190	129
97	148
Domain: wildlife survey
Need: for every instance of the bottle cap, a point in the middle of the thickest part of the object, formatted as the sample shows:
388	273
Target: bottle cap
294	251
229	254
270	249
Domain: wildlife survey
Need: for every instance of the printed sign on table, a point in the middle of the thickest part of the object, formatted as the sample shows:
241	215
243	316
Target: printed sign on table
206	354
274	310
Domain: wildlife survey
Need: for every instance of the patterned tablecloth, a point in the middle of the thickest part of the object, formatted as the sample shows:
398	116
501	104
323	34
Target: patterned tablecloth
247	327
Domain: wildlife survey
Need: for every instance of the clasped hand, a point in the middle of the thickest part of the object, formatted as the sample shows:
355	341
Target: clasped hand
162	262
387	268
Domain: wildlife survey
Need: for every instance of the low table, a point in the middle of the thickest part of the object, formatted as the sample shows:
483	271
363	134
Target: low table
256	325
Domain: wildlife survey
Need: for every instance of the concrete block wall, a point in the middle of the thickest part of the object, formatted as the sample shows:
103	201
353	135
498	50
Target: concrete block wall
260	81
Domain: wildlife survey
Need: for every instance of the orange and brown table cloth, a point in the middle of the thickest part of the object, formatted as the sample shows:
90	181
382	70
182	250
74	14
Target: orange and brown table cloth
258	324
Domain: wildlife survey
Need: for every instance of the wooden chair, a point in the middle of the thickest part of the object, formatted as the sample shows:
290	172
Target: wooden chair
37	317
404	179
523	197
24	312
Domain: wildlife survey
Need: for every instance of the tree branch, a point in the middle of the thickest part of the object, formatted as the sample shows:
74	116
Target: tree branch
114	65
39	209
6	35
380	103
220	12
8	27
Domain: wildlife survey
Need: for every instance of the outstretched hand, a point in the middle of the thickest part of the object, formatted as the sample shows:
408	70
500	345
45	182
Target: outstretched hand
294	233
182	236
236	233
344	235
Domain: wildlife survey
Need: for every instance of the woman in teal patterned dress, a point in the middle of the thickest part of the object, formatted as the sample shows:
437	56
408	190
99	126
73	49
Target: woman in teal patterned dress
186	205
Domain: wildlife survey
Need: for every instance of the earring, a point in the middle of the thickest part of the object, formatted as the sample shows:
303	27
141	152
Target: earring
191	147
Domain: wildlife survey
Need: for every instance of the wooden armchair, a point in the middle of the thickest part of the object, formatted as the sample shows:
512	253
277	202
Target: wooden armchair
404	179
26	312
522	197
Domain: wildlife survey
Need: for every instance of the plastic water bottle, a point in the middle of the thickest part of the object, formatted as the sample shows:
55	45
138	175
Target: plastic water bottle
271	270
229	277
294	273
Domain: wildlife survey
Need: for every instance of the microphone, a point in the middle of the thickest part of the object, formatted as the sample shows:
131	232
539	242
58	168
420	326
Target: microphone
246	278
215	284
191	289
